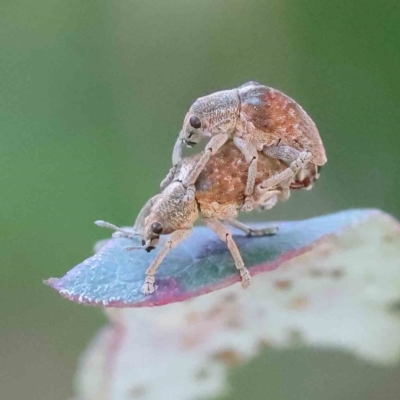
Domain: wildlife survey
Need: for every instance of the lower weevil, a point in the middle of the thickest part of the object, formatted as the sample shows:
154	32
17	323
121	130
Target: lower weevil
220	194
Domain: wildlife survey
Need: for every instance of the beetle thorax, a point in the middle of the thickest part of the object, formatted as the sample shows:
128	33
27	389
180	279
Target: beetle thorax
219	112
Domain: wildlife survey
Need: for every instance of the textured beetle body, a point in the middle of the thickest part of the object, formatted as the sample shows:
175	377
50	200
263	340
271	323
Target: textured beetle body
263	114
269	117
258	118
220	188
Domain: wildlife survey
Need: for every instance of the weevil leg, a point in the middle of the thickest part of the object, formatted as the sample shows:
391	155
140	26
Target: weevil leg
277	179
285	153
295	158
298	168
225	235
175	238
168	179
144	212
300	162
267	199
212	147
301	174
286	177
284	190
251	156
270	230
281	181
176	159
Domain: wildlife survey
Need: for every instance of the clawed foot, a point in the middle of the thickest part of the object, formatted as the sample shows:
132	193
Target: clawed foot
191	193
270	203
272	230
248	204
285	194
301	161
246	277
148	286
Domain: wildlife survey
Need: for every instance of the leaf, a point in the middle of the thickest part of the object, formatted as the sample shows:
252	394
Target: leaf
201	264
342	298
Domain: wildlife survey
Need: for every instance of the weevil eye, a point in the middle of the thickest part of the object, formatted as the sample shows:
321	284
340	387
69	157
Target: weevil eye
157	228
195	122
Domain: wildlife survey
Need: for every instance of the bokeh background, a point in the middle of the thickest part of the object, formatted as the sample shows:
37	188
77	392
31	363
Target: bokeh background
92	97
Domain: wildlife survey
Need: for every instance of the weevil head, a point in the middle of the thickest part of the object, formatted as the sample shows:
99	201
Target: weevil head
170	213
193	129
210	115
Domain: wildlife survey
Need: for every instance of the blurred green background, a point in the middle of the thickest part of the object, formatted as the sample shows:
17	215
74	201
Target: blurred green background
92	97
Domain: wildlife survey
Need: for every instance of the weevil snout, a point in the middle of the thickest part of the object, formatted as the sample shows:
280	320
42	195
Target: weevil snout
151	236
150	244
189	143
190	137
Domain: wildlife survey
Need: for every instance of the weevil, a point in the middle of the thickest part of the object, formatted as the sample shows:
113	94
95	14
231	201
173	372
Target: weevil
220	193
256	118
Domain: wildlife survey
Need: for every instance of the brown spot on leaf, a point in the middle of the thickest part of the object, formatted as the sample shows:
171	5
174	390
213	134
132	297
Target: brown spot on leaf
230	297
283	284
234	323
391	237
189	342
296	337
192	317
316	273
137	392
263	343
215	312
325	249
299	303
229	357
394	307
337	273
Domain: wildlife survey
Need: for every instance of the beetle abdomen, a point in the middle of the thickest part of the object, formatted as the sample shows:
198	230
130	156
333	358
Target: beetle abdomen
224	178
267	112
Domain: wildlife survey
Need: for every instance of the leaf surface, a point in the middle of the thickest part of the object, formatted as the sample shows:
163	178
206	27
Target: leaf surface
201	264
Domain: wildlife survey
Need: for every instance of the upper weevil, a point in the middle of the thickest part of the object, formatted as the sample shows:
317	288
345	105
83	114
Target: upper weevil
258	119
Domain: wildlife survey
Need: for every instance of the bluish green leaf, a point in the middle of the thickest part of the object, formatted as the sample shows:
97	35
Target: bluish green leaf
201	264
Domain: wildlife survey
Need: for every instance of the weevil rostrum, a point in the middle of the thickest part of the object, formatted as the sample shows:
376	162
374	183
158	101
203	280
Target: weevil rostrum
219	195
257	119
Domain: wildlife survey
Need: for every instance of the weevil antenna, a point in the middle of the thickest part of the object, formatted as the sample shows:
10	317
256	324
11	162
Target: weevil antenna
104	224
129	248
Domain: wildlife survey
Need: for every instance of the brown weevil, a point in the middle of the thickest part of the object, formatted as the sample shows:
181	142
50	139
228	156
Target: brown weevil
258	119
219	195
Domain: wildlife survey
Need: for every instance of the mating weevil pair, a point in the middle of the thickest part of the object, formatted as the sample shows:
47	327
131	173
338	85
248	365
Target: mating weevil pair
266	144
